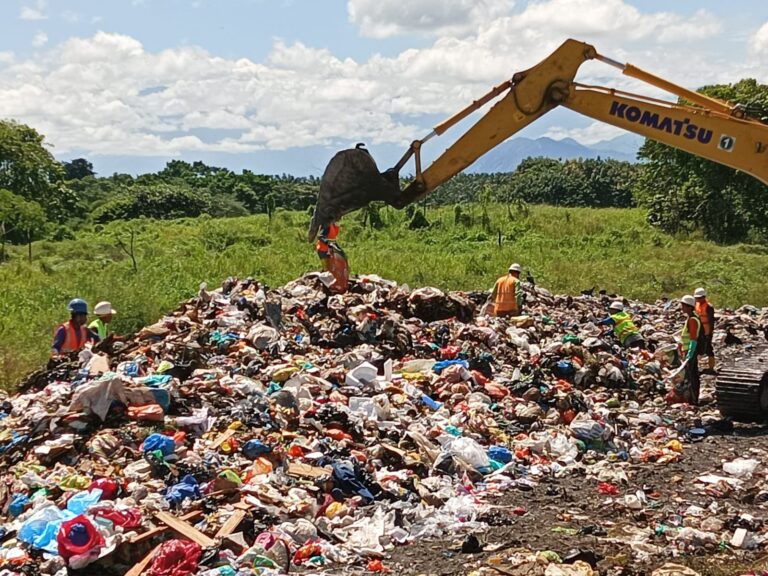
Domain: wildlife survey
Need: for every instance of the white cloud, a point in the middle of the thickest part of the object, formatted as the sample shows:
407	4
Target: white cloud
759	41
40	39
107	94
70	16
384	18
35	11
6	57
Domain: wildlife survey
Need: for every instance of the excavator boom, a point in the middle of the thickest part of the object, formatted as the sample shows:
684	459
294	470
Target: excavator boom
704	126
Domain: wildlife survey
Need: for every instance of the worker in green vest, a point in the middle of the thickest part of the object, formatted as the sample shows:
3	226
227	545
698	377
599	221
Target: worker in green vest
623	327
104	313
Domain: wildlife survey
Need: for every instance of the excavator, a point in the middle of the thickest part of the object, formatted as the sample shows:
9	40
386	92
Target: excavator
707	127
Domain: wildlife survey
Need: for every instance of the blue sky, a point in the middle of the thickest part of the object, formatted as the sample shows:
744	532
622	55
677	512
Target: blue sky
279	85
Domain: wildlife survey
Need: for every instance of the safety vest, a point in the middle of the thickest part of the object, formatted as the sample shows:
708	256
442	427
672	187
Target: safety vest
685	337
99	327
701	310
623	326
506	295
71	341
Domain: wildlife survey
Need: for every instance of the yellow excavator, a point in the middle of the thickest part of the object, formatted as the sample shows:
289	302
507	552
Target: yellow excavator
704	126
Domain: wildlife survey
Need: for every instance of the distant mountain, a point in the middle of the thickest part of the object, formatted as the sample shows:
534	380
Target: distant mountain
507	156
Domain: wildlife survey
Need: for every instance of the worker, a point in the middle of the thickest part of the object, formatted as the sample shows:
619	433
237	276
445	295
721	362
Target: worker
706	313
507	295
73	335
333	258
623	327
689	339
104	313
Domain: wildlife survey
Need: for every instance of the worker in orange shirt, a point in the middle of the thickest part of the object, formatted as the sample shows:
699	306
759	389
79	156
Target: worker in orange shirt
507	295
333	258
706	313
690	339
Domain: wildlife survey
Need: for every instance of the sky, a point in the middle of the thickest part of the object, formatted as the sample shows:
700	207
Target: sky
277	86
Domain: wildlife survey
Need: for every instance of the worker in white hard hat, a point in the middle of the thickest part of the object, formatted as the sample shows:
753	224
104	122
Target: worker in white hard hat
622	326
507	295
104	313
690	338
706	313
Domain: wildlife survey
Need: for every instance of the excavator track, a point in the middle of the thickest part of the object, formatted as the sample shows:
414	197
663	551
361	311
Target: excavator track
741	390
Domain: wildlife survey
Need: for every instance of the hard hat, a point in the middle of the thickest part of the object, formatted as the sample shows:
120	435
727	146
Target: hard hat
700	293
618	306
103	309
78	306
688	299
515	268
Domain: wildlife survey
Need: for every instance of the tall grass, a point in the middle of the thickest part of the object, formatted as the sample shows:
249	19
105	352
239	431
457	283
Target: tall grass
567	250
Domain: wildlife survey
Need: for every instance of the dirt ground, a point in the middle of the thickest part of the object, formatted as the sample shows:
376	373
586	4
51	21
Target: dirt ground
558	507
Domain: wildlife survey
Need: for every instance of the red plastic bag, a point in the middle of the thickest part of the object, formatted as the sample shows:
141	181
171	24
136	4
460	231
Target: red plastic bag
607	489
107	486
128	519
77	537
176	558
337	265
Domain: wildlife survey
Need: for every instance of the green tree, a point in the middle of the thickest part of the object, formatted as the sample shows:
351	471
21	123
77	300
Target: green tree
20	221
29	170
161	201
78	169
684	192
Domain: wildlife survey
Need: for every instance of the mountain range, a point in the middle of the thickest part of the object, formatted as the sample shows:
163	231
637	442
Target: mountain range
507	156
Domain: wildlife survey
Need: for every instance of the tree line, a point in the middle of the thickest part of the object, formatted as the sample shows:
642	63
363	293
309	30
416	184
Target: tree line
43	198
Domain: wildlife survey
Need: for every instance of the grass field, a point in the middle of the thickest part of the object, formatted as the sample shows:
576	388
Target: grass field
567	250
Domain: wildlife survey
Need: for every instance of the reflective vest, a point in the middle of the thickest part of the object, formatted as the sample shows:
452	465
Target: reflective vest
701	311
99	327
623	326
507	290
71	341
685	337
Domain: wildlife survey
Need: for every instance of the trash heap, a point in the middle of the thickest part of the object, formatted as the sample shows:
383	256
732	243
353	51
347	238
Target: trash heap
270	431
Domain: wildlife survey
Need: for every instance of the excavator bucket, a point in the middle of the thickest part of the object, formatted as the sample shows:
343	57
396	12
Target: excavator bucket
350	181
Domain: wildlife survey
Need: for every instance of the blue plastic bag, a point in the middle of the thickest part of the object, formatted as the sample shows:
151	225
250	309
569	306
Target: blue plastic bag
18	504
255	448
187	488
81	501
500	454
165	444
40	529
438	367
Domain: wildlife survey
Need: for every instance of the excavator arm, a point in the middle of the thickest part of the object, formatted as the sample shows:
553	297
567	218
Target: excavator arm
704	126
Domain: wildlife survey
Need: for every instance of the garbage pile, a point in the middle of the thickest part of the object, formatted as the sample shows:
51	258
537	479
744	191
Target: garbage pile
271	431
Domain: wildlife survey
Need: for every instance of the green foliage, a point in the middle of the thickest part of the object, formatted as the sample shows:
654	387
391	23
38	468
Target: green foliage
684	193
28	170
78	169
163	202
21	220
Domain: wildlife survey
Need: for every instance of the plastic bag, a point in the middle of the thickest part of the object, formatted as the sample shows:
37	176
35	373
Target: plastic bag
165	444
128	519
469	452
108	487
78	538
176	558
741	467
81	501
41	528
255	448
187	488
